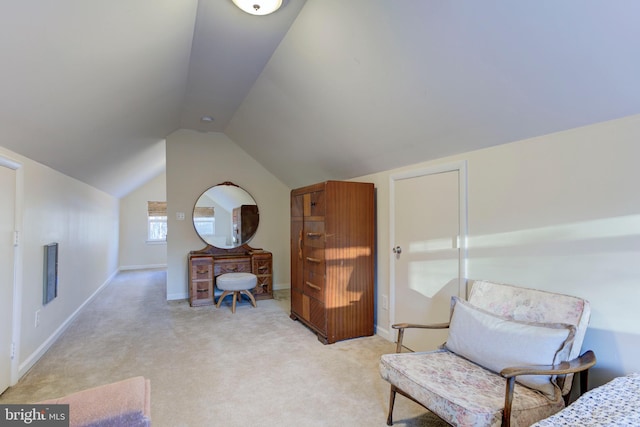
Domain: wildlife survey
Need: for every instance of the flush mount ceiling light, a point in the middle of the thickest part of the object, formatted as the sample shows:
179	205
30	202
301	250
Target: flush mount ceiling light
258	7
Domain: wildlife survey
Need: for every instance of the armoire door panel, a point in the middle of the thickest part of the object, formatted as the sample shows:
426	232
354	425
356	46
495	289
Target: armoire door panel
318	315
314	204
297	255
297	207
296	302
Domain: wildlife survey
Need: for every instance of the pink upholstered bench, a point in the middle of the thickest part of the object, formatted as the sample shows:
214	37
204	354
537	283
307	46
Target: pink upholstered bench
123	403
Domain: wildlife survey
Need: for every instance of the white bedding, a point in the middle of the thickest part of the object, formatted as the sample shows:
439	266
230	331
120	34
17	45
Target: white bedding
616	403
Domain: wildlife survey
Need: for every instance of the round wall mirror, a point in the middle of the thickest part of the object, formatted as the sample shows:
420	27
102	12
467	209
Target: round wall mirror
226	216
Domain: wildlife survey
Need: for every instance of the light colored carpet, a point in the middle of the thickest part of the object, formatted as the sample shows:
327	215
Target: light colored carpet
209	367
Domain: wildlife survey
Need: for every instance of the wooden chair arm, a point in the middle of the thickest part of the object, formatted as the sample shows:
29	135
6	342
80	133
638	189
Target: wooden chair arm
585	361
413	325
402	326
580	364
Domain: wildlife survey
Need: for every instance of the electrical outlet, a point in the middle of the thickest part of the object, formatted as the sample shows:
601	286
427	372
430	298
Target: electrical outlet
385	302
37	318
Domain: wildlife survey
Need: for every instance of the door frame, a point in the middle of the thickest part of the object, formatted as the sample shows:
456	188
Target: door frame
17	266
461	168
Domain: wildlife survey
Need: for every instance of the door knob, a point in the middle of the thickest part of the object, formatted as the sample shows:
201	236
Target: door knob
397	250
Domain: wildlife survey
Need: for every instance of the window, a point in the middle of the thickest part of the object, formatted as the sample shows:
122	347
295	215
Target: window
204	220
157	221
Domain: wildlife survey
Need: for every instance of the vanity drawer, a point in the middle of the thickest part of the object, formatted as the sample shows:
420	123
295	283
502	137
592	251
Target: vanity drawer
201	269
201	281
313	234
203	290
263	287
238	265
261	264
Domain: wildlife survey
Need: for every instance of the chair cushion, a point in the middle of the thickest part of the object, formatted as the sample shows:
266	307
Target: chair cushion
496	342
462	392
236	281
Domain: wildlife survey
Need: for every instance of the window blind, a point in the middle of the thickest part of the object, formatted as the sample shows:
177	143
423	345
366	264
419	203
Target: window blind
203	212
157	208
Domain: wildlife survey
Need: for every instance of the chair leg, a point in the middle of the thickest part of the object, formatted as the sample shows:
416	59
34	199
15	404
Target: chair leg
224	294
250	295
508	401
237	298
392	400
233	305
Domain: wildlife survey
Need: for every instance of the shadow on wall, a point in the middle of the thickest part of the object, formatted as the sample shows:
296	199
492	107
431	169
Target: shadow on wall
609	347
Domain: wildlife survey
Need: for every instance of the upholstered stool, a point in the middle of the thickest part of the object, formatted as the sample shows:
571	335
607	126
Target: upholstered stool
238	284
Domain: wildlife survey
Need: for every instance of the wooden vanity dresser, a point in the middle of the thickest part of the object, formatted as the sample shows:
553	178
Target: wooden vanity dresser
207	264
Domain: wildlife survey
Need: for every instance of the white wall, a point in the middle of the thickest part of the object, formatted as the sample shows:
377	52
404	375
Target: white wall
197	161
53	207
559	212
135	252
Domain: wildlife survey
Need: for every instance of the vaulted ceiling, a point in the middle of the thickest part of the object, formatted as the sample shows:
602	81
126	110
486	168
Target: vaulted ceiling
321	89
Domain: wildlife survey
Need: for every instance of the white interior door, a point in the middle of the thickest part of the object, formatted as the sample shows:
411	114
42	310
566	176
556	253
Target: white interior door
427	262
7	224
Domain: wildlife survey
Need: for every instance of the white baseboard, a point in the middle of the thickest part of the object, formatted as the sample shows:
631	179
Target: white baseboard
28	363
176	296
384	333
141	267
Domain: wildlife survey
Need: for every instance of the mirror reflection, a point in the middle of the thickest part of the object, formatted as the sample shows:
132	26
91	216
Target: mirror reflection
226	216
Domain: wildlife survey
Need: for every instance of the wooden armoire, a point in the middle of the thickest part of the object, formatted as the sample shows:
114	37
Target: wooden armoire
332	259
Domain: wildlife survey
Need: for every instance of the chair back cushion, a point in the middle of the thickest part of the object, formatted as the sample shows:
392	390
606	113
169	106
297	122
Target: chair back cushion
496	342
533	305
